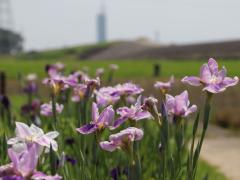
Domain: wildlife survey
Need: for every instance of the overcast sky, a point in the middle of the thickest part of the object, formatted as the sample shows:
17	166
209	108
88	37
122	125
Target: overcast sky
57	23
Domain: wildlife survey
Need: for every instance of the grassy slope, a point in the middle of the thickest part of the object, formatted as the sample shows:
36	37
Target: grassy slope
128	69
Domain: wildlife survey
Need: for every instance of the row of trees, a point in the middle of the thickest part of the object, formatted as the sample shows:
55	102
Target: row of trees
10	42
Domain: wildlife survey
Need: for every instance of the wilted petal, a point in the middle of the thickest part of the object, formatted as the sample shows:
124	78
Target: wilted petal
192	80
108	146
87	129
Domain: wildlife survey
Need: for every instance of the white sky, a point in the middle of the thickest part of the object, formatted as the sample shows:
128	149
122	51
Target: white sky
57	23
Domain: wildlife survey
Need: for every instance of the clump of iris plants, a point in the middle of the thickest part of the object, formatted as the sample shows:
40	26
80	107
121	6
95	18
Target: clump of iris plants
110	131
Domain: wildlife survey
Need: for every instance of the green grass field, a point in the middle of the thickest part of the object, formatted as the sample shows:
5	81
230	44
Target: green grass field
127	69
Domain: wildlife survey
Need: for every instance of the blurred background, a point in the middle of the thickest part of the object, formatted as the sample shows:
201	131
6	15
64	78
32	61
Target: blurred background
150	40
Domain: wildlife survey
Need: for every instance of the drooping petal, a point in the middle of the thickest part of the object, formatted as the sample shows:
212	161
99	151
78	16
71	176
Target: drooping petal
87	129
227	81
118	122
192	80
108	146
131	133
142	115
138	133
12	141
214	88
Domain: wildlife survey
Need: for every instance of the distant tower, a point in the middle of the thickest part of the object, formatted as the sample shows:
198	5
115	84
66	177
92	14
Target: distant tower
5	15
101	25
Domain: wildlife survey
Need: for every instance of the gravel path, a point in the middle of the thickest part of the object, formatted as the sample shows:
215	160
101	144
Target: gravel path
221	148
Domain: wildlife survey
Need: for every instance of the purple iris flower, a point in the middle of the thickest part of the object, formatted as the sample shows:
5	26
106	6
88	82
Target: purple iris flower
54	69
164	86
178	106
135	113
104	97
31	85
98	122
71	80
127	89
213	80
122	139
30	88
99	72
93	83
32	109
113	67
42	176
71	160
33	135
46	109
57	83
79	92
80	75
23	163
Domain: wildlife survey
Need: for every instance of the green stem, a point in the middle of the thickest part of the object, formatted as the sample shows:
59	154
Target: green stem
207	109
54	110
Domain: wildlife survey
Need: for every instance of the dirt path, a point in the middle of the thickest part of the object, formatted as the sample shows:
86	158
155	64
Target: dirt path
222	149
